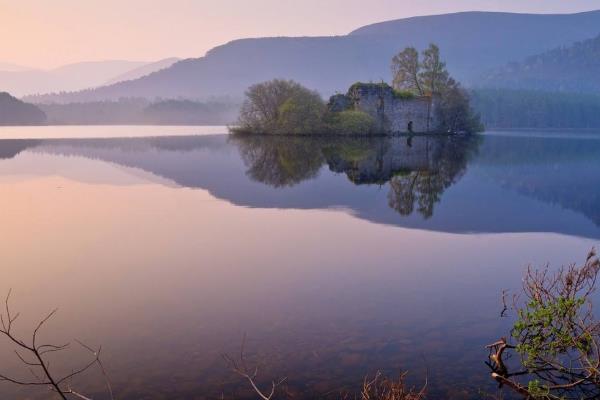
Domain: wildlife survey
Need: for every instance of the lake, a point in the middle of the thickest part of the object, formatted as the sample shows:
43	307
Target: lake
335	257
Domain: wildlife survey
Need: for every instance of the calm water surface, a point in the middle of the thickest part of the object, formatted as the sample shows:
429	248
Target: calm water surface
336	257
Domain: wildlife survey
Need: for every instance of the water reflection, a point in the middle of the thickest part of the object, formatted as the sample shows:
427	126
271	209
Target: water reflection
11	148
559	170
418	169
280	161
493	183
164	250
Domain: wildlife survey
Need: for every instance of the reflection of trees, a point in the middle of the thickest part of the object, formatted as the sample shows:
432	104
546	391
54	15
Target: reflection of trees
444	162
280	161
418	168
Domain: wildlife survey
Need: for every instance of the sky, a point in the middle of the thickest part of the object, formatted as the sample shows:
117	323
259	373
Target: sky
50	33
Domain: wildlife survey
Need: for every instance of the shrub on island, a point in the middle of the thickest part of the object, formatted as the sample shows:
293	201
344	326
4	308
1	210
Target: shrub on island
281	107
350	122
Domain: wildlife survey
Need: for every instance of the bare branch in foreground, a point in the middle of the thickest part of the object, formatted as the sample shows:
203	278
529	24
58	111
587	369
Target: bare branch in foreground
33	354
240	367
376	388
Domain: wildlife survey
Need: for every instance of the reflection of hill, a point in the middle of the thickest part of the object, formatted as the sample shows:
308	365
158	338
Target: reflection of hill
557	170
10	148
512	184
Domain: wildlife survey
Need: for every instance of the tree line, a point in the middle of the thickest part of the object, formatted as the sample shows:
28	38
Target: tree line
141	111
504	108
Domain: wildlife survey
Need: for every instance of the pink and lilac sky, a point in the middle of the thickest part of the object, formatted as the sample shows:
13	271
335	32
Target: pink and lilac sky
46	34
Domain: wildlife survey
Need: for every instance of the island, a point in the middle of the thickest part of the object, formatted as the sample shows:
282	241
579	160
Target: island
422	99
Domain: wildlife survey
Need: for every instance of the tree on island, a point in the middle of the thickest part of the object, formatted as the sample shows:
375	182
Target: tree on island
281	107
286	107
422	78
427	76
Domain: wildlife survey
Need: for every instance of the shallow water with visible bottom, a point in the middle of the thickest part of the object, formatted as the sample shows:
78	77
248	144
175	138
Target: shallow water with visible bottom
335	257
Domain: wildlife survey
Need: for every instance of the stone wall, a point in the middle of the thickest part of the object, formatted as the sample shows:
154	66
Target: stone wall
392	111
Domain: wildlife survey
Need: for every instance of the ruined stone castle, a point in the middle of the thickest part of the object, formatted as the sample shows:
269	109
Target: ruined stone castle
392	111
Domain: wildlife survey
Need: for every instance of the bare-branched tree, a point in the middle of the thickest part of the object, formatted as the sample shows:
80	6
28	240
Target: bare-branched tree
34	355
241	367
555	336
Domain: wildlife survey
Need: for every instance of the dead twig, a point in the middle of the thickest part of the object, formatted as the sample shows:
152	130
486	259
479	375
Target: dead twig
240	367
32	354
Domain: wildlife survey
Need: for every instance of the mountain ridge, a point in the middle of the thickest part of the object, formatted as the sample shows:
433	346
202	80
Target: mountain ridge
471	42
70	77
143	70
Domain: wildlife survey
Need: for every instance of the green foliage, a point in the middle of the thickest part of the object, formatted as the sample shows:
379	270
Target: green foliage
301	114
426	75
536	390
403	94
433	75
555	335
541	331
280	161
367	86
281	107
405	71
546	331
350	122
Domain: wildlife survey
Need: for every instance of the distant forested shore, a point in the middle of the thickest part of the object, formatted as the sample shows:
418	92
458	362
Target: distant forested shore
498	109
529	109
137	111
126	111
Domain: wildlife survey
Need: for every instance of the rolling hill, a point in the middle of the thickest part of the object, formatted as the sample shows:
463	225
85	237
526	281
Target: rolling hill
22	82
472	43
15	112
143	70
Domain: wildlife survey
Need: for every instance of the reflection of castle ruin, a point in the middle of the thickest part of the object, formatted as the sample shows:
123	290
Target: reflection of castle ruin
378	160
418	169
